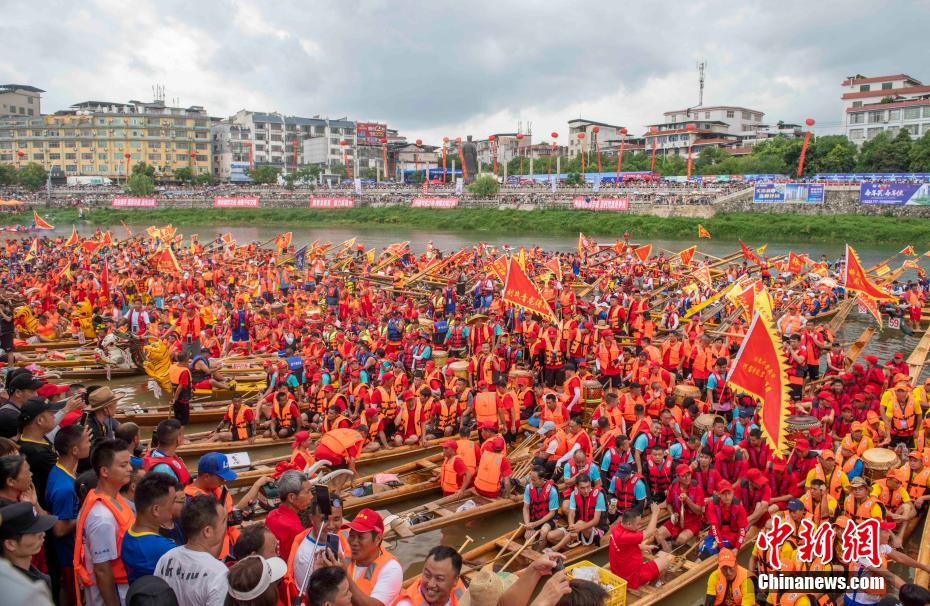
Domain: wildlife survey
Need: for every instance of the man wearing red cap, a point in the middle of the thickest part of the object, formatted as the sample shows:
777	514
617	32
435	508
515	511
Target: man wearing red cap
685	504
410	421
754	492
729	462
727	519
375	576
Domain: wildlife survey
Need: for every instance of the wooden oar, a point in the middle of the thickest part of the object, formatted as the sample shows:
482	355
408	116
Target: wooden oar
526	544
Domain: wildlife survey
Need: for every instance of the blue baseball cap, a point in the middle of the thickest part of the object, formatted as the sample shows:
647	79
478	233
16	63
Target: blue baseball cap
217	464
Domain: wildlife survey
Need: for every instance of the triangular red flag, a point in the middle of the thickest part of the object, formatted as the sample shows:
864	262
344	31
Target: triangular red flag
855	278
643	252
687	254
520	291
73	240
748	253
40	223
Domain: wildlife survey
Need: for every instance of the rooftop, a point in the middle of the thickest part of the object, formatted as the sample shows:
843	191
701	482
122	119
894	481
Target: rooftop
860	79
10	88
593	123
703	108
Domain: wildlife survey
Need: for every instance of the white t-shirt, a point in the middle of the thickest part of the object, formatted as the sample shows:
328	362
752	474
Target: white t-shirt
390	582
197	578
862	597
100	546
304	551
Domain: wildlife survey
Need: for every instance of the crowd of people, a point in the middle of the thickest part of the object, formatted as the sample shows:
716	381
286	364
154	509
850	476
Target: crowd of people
638	442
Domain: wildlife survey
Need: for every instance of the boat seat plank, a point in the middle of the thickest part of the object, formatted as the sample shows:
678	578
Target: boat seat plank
403	531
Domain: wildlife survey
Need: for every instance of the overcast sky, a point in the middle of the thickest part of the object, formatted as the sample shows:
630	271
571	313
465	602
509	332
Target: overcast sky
441	68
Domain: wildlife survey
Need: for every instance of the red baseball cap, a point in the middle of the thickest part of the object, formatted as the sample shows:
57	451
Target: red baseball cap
802	444
448	393
49	389
367	520
450	444
682	469
371	412
727	450
407	395
300	436
724	486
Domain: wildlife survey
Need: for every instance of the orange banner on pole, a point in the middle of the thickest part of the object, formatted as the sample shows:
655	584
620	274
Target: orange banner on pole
499	267
164	260
41	223
908	250
702	274
73	239
870	304
283	241
748	253
643	252
795	264
702	233
520	291
855	278
760	369
687	254
555	267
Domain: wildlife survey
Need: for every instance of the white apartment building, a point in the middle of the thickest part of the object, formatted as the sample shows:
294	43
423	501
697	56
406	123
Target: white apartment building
606	133
713	126
20	100
884	104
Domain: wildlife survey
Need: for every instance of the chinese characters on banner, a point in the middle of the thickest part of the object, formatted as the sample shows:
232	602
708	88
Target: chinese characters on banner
320	202
241	202
910	194
586	203
129	202
519	290
434	202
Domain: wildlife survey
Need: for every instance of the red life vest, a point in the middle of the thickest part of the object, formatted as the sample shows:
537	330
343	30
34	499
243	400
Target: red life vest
584	507
174	462
539	501
455	339
660	476
625	492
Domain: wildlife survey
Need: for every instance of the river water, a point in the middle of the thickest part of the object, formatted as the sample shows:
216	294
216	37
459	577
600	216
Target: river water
412	551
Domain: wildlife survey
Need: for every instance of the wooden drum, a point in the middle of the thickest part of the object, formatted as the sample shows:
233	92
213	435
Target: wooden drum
704	422
521	376
684	391
439	357
460	369
592	391
799	426
877	462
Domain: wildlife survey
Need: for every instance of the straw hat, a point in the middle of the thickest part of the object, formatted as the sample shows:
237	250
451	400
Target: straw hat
487	587
101	398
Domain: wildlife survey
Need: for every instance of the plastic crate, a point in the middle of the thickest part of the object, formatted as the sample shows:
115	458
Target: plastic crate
616	596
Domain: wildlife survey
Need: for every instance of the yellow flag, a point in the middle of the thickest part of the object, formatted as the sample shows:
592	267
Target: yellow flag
370	256
521	258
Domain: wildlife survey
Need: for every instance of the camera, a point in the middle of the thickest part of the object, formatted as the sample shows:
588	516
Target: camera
234	518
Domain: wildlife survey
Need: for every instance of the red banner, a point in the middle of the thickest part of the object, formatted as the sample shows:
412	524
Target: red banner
855	278
795	264
643	252
519	290
317	202
129	202
617	204
760	370
687	254
748	253
434	202
243	202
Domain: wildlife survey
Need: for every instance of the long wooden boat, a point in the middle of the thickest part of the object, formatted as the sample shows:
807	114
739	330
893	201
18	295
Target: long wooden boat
154	416
98	373
61	344
242	388
918	357
41	359
443	512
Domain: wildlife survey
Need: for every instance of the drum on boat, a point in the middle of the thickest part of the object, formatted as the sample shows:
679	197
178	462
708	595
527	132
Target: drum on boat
426	324
592	391
277	308
521	376
704	423
877	462
684	391
439	357
460	369
799	426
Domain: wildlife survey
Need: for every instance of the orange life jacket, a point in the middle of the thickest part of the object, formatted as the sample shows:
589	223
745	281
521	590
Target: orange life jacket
486	407
488	475
448	479
124	517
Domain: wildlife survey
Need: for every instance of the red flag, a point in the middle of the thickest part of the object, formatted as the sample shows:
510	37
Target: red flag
90	246
499	267
855	278
702	233
39	222
107	239
687	254
164	260
105	279
702	274
555	267
520	291
795	264
643	252
908	250
760	369
748	253
870	304
283	241
73	240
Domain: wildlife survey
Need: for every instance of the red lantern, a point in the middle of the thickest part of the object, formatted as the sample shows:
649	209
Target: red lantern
194	155
491	138
343	143
127	155
581	135
689	127
807	140
653	129
596	129
383	140
20	153
519	136
419	141
623	131
809	121
554	135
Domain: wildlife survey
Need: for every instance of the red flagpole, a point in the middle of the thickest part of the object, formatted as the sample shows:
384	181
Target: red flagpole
581	140
653	130
807	138
458	142
623	132
689	128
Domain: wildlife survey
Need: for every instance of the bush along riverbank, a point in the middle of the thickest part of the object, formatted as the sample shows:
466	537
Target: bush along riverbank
724	226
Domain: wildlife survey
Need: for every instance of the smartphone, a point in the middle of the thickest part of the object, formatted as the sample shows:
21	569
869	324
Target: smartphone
332	544
323	499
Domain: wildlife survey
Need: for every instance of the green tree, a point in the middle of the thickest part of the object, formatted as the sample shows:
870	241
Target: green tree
205	179
305	175
484	186
32	176
371	173
7	174
920	154
185	174
141	168
885	154
574	178
899	154
338	168
264	175
140	184
830	154
873	152
709	161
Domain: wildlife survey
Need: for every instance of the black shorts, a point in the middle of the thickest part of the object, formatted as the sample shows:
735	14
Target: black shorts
6	342
813	371
182	411
613	380
797	391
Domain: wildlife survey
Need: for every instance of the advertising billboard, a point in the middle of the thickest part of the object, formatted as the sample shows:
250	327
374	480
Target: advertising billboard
237	202
910	194
587	203
370	133
130	202
434	202
320	202
787	193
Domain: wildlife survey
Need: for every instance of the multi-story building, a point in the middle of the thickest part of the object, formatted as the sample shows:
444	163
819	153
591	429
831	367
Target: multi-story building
285	142
605	133
884	104
20	100
714	126
103	138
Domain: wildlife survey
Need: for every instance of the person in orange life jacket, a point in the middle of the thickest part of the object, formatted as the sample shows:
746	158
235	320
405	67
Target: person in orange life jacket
892	493
104	517
375	576
540	506
627	544
727	519
162	458
285	416
439	583
445	416
610	410
577	436
587	515
902	413
719	394
491	439
376	435
702	361
410	421
640	423
180	376
609	359
571	399
301	456
553	448
240	419
553	411
454	477
731	585
792	322
685	505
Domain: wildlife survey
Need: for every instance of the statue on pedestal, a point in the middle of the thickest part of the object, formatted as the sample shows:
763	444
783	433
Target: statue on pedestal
470	156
